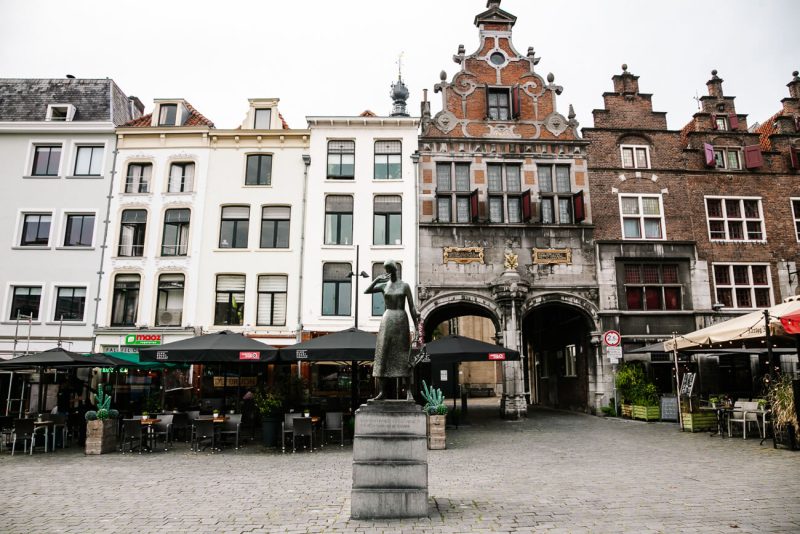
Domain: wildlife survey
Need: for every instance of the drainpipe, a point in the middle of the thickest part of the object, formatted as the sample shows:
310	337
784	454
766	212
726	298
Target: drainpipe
104	246
415	160
307	163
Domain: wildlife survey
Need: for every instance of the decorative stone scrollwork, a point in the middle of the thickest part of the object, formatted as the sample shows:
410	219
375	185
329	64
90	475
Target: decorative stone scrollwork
556	123
503	131
423	293
463	86
445	121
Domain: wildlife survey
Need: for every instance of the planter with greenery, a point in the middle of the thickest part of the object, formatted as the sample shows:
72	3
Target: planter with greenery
699	421
785	426
639	395
101	425
270	406
436	412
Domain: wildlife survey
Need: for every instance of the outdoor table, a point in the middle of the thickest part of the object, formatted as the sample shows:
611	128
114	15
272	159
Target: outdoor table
46	425
722	413
150	434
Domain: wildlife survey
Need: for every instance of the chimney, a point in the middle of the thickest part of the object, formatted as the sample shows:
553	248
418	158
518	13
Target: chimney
715	85
794	85
136	107
625	83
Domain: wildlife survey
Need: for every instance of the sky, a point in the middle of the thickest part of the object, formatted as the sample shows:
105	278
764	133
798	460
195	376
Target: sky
323	57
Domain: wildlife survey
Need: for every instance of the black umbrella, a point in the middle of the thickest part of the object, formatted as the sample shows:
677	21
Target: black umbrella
223	346
452	349
57	357
348	345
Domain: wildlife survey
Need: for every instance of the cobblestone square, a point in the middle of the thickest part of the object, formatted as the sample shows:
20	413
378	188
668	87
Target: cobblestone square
553	472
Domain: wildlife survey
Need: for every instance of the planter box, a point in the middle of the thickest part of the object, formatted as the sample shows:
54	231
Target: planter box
646	413
101	436
696	422
626	410
436	432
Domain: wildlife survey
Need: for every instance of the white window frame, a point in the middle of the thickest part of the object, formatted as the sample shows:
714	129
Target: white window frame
743	219
795	218
255	118
634	148
725	150
571	361
21	229
69	108
10	286
733	285
641	216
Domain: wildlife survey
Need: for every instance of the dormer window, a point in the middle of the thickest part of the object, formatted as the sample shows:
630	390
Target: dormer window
60	112
167	114
499	104
721	122
263	119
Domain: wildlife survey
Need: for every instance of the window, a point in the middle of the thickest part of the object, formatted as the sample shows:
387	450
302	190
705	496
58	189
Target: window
79	231
642	217
557	197
336	290
456	193
728	158
70	304
60	112
735	219
132	231
126	300
338	220
46	159
234	226
89	161
275	226
570	360
169	308
272	300
635	157
341	159
388	160
36	230
167	114
259	170
720	122
175	241
652	286
378	305
229	307
508	196
796	215
263	119
388	218
25	302
138	178
743	286
499	104
181	177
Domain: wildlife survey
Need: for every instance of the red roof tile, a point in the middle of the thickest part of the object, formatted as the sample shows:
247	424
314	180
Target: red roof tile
195	119
283	121
766	129
368	113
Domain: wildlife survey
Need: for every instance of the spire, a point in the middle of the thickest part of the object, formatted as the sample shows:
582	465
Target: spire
399	93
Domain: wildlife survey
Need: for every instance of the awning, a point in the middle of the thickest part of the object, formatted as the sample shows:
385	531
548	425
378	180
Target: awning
56	357
348	345
131	359
223	346
451	349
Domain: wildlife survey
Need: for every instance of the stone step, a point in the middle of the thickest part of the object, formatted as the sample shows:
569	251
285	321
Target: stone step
388	503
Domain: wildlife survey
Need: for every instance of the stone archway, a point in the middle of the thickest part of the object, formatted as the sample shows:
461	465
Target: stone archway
449	305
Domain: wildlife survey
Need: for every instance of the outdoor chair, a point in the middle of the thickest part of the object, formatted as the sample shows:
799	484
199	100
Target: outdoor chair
193	416
181	425
59	426
23	430
744	413
203	431
132	435
334	422
6	428
232	427
302	428
287	428
164	428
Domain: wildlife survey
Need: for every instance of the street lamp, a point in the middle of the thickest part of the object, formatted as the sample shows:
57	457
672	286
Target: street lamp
351	275
354	364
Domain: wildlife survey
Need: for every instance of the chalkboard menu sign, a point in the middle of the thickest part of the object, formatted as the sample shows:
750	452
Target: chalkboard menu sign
669	408
687	386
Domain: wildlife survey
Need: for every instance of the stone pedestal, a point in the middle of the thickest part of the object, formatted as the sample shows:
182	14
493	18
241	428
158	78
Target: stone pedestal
390	461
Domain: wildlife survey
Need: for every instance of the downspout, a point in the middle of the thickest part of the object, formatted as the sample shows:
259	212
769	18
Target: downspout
104	246
415	160
307	163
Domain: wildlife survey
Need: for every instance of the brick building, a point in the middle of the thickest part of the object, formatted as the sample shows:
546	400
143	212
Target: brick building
693	226
504	231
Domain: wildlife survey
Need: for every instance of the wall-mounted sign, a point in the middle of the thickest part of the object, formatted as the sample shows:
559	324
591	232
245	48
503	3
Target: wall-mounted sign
143	339
463	254
614	353
245	381
549	256
162	355
497	356
250	355
301	354
612	338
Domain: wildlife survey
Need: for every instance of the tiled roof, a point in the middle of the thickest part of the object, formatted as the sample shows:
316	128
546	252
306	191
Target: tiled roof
767	129
283	122
690	127
367	113
195	119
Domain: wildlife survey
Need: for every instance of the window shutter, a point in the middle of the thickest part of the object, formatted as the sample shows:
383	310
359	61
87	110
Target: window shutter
473	206
709	153
794	158
578	207
515	102
752	157
486	85
797	123
527	213
713	121
733	120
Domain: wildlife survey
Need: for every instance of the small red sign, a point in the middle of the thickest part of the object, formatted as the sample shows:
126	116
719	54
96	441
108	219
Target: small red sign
249	355
495	356
612	338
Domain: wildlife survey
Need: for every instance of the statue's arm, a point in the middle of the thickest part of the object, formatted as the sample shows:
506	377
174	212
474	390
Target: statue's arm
377	285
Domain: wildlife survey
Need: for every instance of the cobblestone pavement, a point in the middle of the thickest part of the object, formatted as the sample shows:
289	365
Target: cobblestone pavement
554	472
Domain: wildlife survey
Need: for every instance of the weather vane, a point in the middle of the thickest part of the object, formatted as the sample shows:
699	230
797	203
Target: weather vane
400	66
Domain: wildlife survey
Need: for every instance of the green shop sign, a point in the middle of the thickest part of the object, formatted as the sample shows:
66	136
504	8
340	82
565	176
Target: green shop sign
143	339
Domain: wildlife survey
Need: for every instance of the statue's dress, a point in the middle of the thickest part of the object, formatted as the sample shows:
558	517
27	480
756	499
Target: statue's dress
392	350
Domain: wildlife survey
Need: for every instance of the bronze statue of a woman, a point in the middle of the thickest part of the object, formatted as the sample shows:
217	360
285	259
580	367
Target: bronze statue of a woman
393	348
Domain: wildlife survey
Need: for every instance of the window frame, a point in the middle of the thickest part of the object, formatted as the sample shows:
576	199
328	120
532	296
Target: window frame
255	118
13	299
260	293
126	301
743	219
641	216
69	112
182	229
732	286
555	197
276	228
724	152
795	201
166	292
68	226
340	153
164	120
91	147
388	164
260	157
494	91
387	217
455	193
35	159
643	285
57	296
139	236
635	161
133	182
338	216
571	361
24	225
505	194
235	227
186	184
231	299
337	291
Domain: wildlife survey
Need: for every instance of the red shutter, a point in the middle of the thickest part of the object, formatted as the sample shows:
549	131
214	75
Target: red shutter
515	102
527	212
713	121
709	153
487	100
794	158
578	207
473	205
733	119
752	157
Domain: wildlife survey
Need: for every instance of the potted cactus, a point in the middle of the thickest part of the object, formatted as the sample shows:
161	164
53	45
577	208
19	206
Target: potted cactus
101	431
436	413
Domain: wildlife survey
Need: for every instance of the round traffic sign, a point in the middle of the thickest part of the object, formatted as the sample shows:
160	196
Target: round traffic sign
612	338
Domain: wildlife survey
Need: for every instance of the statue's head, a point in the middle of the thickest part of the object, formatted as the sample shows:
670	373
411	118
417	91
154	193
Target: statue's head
391	267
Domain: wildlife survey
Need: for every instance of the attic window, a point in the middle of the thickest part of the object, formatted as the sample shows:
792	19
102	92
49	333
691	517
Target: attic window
497	58
167	114
263	118
60	112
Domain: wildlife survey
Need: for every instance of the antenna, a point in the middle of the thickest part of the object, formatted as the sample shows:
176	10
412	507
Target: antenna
400	66
696	98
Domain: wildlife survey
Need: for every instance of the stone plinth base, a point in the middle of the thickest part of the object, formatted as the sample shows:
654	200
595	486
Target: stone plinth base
390	461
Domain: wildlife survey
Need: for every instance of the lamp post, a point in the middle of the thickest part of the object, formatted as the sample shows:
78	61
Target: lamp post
353	363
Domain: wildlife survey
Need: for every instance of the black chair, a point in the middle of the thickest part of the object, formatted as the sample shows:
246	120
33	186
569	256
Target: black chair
334	422
131	434
59	426
232	427
181	425
203	431
23	430
287	428
302	428
164	428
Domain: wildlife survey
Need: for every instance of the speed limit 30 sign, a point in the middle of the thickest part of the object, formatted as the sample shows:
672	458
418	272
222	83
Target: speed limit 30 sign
612	338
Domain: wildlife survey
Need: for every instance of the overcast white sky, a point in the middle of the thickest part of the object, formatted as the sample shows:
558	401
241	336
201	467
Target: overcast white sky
324	57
